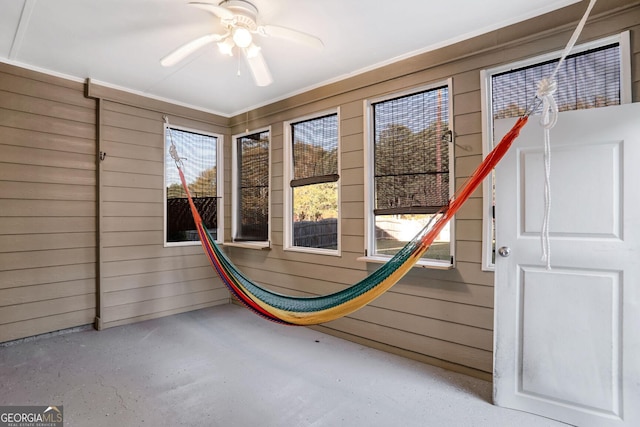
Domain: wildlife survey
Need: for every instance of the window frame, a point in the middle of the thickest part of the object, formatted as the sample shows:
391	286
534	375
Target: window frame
369	183
235	199
623	40
219	183
288	190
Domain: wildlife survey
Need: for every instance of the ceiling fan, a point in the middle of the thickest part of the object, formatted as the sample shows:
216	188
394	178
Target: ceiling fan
239	19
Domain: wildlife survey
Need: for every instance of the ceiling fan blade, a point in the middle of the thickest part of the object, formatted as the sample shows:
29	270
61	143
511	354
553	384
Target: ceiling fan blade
291	34
219	11
187	49
259	69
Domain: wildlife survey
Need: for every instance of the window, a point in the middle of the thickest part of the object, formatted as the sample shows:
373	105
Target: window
311	175
588	79
410	159
595	76
203	173
250	198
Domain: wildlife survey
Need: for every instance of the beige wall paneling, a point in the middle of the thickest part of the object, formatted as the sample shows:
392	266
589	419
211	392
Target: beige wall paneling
140	278
47	204
440	317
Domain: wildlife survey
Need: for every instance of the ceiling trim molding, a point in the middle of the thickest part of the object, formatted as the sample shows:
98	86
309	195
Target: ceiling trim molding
100	90
40	70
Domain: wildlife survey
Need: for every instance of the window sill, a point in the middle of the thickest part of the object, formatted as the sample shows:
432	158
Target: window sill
249	245
313	251
185	243
435	265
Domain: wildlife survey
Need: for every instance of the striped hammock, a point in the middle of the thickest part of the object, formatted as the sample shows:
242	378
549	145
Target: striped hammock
292	310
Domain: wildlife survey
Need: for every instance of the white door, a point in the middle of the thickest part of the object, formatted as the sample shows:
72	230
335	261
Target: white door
567	340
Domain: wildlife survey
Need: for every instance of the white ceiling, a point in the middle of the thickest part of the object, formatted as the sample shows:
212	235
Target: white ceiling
120	42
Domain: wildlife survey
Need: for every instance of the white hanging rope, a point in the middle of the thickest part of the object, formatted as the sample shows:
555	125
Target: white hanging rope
546	88
173	150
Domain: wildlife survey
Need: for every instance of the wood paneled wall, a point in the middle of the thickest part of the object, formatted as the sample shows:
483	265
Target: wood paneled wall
139	278
79	241
82	240
47	204
440	317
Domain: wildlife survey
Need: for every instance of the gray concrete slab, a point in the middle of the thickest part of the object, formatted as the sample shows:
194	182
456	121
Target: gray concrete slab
225	366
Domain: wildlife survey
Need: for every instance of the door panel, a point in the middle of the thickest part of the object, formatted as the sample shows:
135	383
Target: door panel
590	202
567	340
578	361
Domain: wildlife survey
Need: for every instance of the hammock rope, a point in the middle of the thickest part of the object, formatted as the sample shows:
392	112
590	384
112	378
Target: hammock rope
545	91
292	310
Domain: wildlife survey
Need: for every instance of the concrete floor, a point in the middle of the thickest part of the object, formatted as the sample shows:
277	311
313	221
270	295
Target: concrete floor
226	367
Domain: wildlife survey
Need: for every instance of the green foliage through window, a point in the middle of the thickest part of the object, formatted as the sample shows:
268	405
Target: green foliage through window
199	153
411	168
315	182
252	162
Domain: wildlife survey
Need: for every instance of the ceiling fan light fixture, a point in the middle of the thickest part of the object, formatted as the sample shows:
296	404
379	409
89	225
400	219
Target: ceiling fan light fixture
226	46
242	37
239	19
252	51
